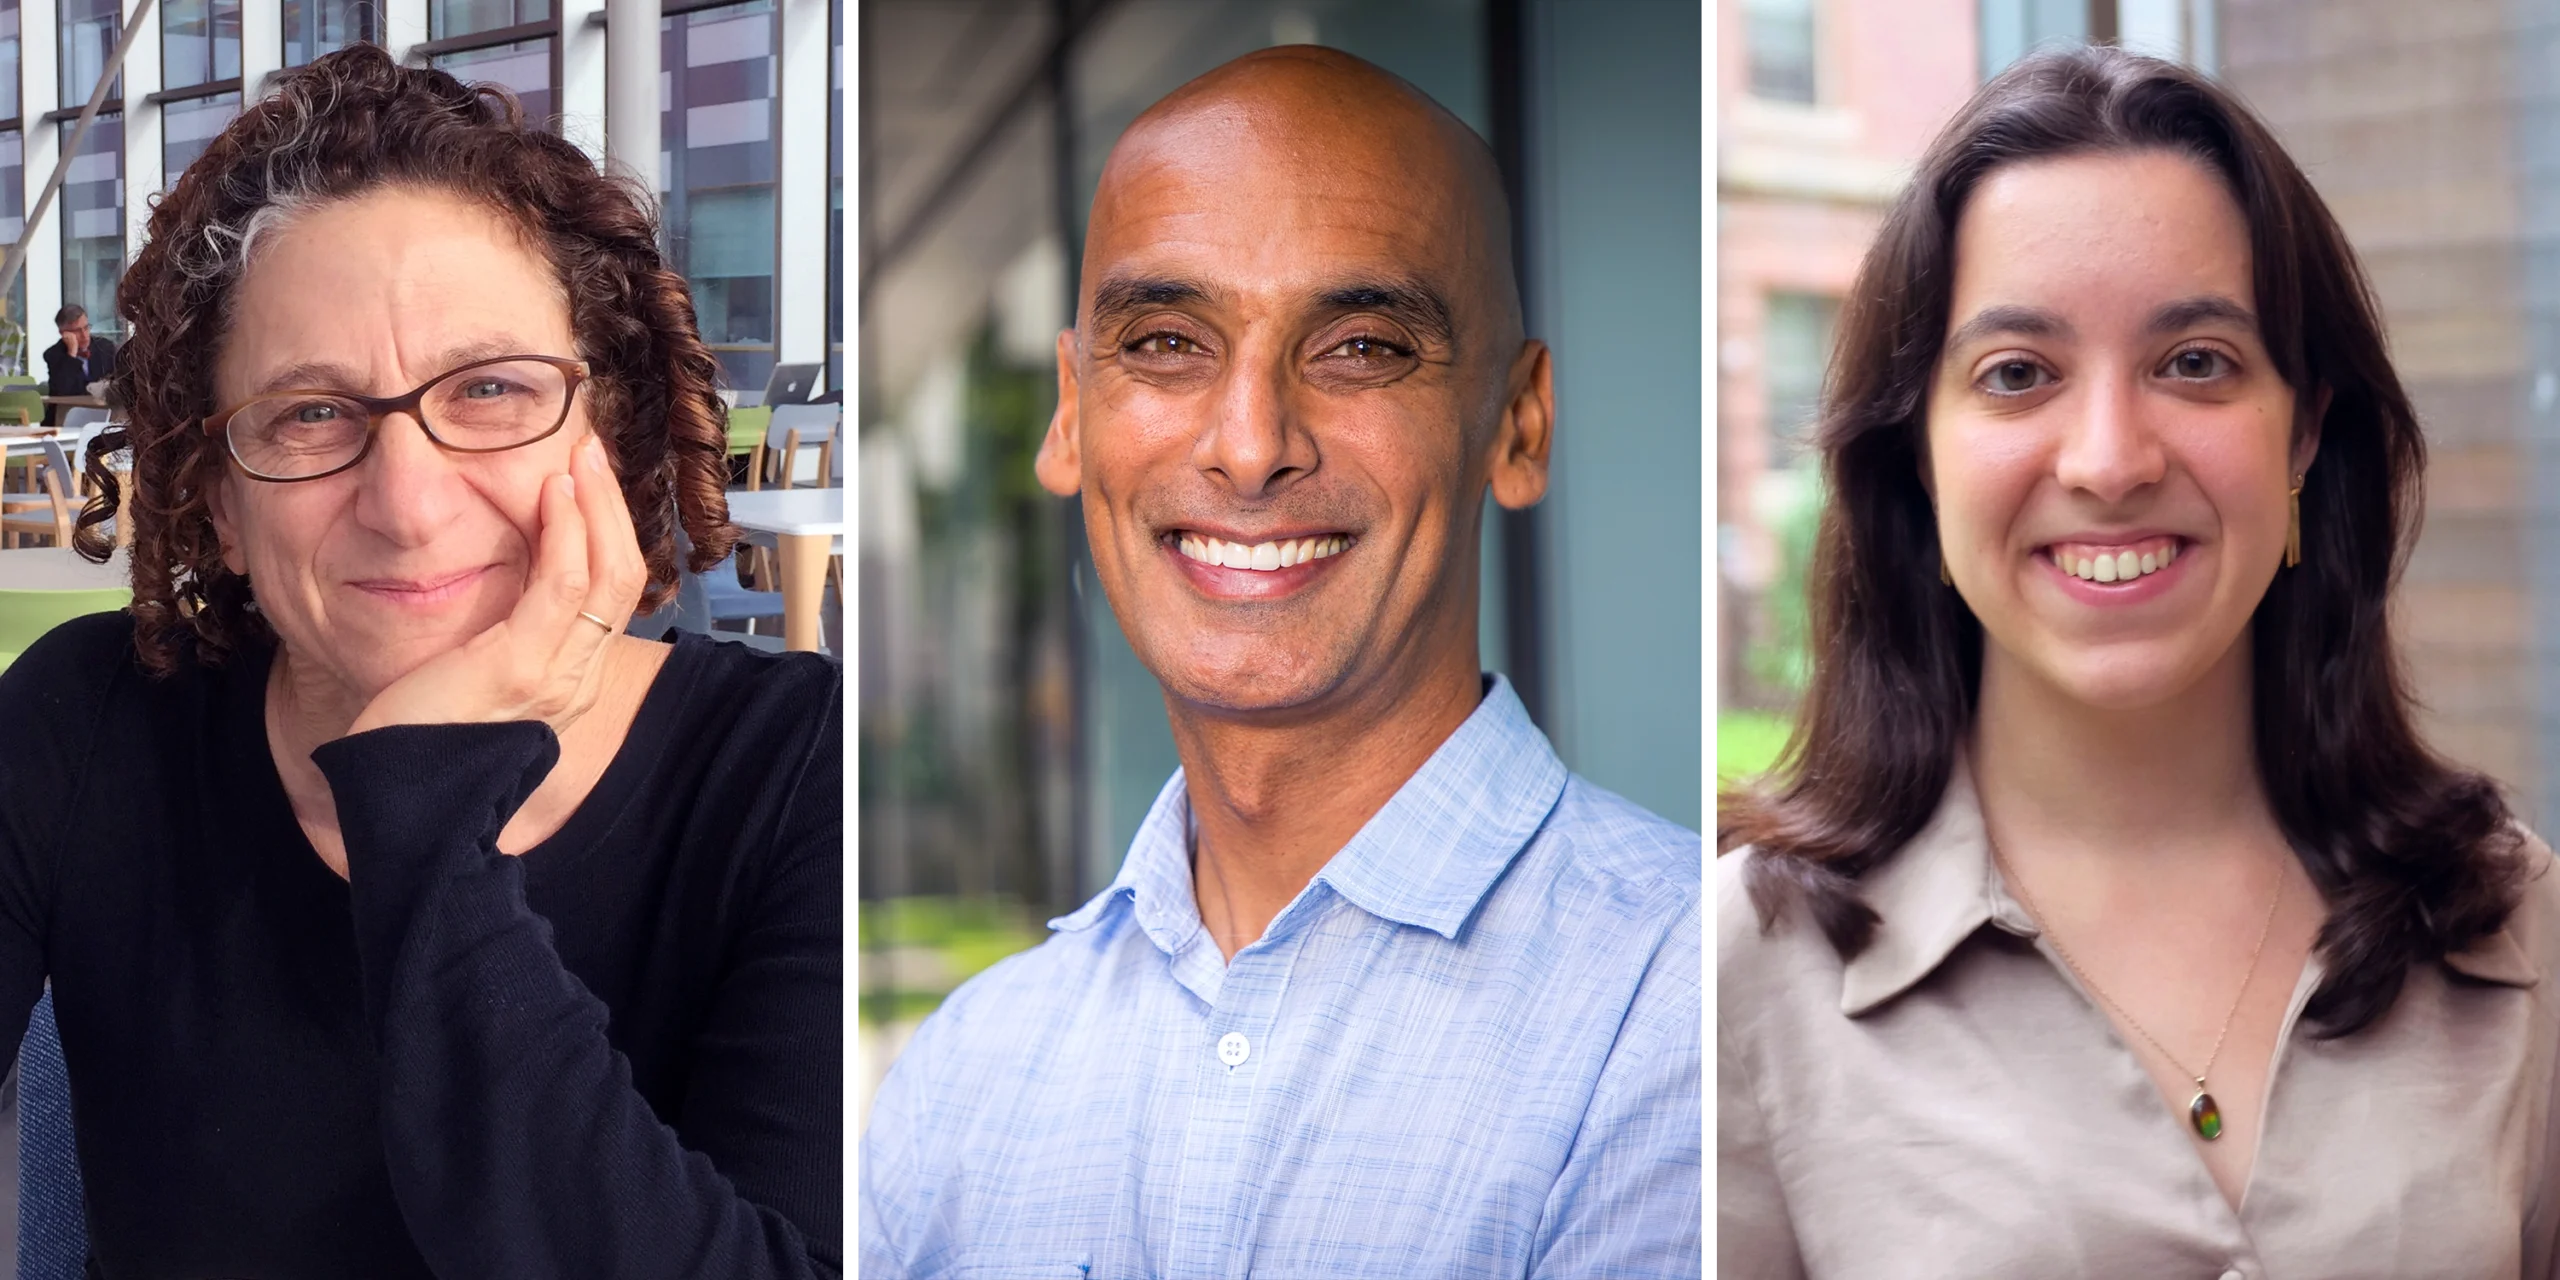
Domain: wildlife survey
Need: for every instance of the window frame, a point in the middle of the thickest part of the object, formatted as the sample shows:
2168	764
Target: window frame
425	52
63	239
162	100
368	19
174	95
62	29
838	144
1789	425
16	118
673	198
1816	80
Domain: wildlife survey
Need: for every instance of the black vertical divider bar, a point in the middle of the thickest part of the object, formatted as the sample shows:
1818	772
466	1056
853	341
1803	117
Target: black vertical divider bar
1067	889
1523	561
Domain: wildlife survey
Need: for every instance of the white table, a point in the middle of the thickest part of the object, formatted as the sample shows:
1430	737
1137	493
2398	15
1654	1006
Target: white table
807	526
60	569
26	444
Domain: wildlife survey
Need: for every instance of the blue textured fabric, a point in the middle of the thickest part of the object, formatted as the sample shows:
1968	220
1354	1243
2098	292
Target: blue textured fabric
53	1229
1471	1047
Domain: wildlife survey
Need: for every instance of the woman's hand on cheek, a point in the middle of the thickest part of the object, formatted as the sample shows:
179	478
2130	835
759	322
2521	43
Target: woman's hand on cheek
543	661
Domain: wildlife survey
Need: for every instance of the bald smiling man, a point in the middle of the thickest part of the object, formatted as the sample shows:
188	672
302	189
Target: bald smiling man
1381	989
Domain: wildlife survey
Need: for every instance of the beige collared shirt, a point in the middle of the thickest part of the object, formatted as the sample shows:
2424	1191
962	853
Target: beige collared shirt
1951	1104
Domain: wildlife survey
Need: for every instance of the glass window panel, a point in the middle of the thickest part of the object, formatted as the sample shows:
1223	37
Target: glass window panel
93	222
1798	340
315	27
187	128
199	42
718	123
13	223
89	29
226	39
9	104
728	234
524	67
835	196
16	359
469	17
13	185
1777	37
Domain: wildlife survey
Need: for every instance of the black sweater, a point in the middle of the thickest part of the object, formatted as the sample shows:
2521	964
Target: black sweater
616	1055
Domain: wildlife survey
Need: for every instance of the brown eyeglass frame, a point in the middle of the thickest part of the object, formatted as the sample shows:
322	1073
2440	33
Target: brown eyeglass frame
379	407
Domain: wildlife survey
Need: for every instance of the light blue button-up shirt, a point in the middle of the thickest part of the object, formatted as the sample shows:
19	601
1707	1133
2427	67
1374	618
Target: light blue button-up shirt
1470	1047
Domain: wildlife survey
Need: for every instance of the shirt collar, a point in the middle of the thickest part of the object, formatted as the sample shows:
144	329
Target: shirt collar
1944	885
1928	897
1425	859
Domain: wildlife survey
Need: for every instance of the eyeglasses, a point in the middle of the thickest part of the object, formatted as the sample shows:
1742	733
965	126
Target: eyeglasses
487	406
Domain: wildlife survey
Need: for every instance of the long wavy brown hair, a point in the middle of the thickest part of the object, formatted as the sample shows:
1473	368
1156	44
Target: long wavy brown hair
350	123
2414	857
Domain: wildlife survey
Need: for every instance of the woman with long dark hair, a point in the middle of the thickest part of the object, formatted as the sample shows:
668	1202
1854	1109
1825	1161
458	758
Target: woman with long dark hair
2107	914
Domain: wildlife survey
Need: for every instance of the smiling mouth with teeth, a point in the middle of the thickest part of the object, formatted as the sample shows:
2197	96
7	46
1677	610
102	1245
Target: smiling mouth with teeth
2115	563
1265	557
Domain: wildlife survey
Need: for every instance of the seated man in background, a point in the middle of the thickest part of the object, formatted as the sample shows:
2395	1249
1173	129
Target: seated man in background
78	360
1381	988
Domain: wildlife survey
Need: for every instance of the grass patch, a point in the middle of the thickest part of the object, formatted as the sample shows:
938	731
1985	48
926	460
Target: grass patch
1748	742
879	1008
967	935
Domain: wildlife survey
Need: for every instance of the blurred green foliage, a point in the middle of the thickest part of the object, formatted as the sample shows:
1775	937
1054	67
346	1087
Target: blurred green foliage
1748	742
1780	660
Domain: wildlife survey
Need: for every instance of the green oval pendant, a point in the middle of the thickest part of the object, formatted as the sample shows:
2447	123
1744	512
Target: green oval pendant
2206	1115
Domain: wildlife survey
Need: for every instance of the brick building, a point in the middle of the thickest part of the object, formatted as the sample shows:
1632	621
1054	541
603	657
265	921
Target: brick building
2431	132
1823	106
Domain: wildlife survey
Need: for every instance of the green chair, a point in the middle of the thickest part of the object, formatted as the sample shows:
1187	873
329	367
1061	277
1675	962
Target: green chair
26	615
22	405
746	428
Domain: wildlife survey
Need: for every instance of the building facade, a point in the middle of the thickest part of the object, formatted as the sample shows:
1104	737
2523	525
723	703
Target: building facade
749	95
1823	107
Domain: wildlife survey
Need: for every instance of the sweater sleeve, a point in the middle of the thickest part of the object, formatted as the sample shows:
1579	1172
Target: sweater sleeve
518	1146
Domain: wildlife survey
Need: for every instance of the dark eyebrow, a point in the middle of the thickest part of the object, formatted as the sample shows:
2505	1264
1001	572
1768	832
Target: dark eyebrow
1411	303
2187	313
2035	322
2032	322
1117	296
328	375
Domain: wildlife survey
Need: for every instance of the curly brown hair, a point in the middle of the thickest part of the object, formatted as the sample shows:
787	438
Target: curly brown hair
350	123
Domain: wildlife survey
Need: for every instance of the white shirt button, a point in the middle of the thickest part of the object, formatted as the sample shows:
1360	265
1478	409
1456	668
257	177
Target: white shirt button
1233	1049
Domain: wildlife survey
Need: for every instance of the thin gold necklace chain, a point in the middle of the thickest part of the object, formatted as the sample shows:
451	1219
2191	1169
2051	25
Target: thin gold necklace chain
2020	884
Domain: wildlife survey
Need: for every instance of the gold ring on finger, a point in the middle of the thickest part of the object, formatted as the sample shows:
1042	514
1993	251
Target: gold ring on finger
594	619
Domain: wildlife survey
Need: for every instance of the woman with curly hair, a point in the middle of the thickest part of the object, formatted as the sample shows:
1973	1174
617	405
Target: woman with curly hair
2109	916
403	916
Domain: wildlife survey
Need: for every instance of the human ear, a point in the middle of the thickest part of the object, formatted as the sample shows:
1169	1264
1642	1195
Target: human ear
217	503
2306	438
1526	430
1060	463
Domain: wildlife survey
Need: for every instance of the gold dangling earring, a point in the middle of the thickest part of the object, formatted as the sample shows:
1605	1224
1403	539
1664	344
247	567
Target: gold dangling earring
2293	527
